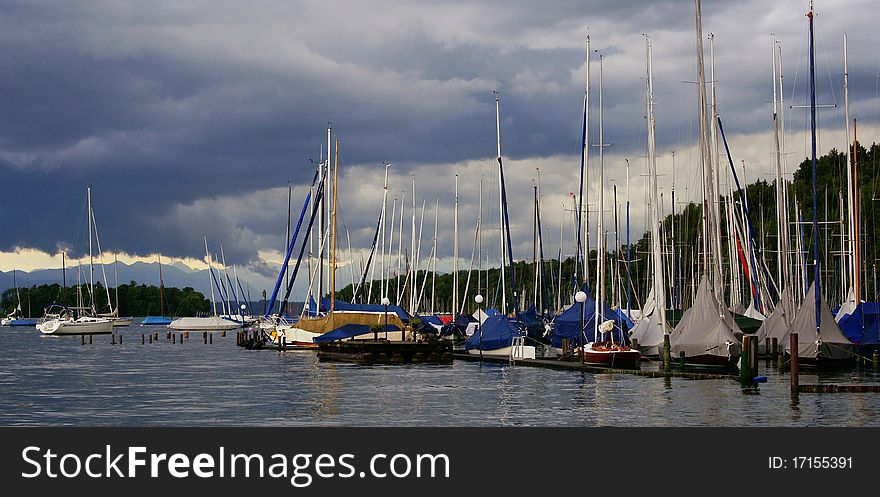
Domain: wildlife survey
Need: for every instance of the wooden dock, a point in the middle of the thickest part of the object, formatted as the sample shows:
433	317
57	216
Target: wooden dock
386	352
832	388
578	366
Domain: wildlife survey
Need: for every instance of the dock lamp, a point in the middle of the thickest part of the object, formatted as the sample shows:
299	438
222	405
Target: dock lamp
385	302
581	297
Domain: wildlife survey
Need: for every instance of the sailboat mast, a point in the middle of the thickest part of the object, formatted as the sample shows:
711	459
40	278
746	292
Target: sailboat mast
161	289
857	263
434	256
210	277
582	244
659	285
850	192
333	236
816	270
455	252
500	204
116	280
600	231
91	269
383	285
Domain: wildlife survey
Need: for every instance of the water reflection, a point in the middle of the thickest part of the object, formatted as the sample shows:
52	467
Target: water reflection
56	381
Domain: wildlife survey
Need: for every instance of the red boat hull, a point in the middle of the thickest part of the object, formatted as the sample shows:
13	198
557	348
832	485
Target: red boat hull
611	355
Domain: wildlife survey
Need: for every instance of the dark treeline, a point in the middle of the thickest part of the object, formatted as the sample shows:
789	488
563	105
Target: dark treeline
134	299
686	248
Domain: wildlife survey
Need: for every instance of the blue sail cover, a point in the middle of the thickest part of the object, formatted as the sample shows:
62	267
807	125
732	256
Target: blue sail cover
155	321
459	325
621	315
341	305
863	325
567	325
497	332
430	319
349	331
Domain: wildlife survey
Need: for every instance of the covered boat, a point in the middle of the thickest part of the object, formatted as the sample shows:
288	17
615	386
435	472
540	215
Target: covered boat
777	325
497	337
829	343
862	327
706	333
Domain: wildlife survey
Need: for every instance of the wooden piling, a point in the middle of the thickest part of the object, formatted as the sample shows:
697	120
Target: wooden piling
143	339
753	351
83	339
181	337
635	344
774	349
151	338
210	339
168	336
768	354
173	339
90	339
120	339
113	338
667	353
793	340
745	373
681	360
223	333
205	337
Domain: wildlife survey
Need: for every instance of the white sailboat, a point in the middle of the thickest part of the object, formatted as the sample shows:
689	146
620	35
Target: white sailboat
63	320
205	323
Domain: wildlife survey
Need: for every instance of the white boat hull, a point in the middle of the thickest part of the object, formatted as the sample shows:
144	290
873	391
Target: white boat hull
65	327
520	352
203	324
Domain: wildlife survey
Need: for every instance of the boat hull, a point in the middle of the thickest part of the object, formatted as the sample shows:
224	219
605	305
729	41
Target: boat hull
522	352
611	355
61	327
203	324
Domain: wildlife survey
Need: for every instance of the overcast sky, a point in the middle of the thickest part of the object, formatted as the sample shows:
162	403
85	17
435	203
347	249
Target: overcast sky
190	118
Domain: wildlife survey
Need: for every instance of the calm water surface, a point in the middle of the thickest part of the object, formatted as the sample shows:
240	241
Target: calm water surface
47	380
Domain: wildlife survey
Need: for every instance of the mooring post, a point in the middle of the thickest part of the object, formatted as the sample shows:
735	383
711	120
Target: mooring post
83	339
173	339
681	360
667	353
120	339
223	334
744	370
211	339
774	346
768	355
151	338
635	344
875	360
753	350
793	340
143	339
113	338
181	337
168	335
205	337
90	339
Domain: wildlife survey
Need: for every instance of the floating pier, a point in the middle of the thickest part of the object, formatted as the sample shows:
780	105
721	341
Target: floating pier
578	366
386	352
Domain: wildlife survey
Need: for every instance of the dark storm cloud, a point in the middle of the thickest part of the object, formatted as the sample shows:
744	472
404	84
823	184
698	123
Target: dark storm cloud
190	118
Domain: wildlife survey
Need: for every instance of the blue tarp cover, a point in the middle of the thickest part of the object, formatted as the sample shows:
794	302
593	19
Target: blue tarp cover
348	331
863	325
567	324
497	332
341	305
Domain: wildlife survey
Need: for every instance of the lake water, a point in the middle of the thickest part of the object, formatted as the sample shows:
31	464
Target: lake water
46	380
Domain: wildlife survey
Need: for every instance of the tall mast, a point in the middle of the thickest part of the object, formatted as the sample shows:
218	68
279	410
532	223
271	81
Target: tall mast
287	237
333	236
600	231
659	285
852	238
116	280
857	263
161	288
383	286
582	245
715	163
91	269
816	270
411	277
210	277
500	204
455	253
434	256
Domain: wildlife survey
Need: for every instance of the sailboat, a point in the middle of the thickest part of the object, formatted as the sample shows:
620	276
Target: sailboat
819	337
16	317
205	323
651	329
113	315
602	350
161	319
497	335
62	320
707	333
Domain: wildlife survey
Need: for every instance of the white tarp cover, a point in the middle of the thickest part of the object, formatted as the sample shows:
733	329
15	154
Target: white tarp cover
707	328
211	323
778	324
649	332
848	306
829	343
